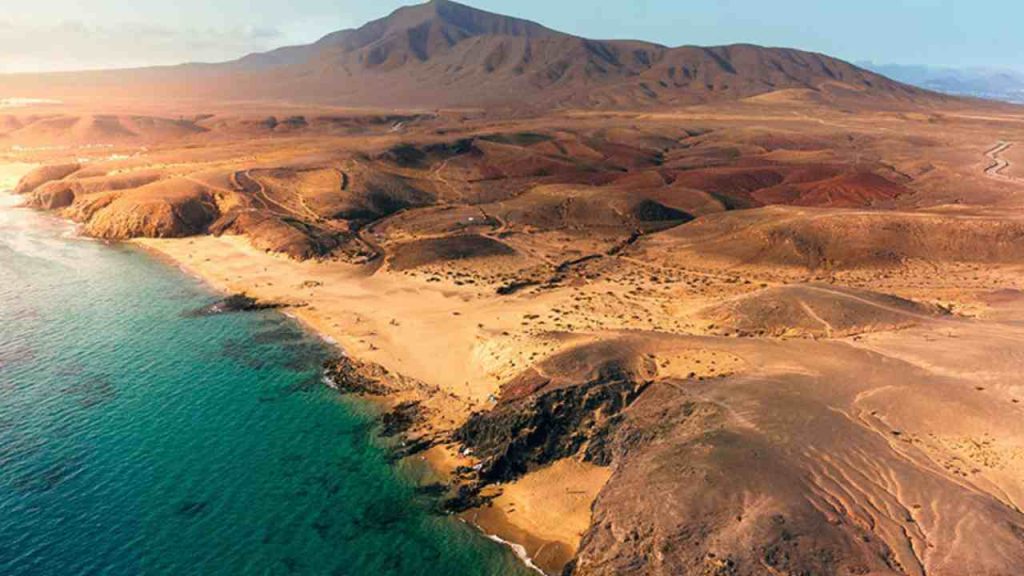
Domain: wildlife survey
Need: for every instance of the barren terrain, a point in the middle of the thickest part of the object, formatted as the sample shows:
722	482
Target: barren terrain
776	333
814	315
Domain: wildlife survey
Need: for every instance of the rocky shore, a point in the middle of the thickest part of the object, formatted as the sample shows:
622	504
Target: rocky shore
237	303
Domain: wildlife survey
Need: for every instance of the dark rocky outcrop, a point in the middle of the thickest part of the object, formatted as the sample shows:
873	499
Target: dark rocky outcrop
235	303
541	419
523	435
464	497
350	376
650	211
401	424
515	286
400	419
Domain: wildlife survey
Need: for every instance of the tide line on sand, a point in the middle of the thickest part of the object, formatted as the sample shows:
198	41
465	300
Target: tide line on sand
519	551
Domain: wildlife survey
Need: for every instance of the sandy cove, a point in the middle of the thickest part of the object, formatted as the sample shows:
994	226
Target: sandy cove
384	319
395	322
455	338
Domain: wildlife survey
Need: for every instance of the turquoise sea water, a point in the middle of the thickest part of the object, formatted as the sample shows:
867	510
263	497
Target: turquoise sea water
137	440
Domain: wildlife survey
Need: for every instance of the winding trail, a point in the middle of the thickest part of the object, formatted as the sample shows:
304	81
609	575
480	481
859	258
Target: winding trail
439	177
254	188
829	329
865	301
997	169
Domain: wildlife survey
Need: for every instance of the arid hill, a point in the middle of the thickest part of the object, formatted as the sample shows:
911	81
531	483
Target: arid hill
446	54
814	311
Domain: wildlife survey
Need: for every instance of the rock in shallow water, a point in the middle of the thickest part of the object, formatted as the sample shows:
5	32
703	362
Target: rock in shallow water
235	303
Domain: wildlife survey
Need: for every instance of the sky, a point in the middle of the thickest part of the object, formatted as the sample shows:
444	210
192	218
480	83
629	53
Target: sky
44	35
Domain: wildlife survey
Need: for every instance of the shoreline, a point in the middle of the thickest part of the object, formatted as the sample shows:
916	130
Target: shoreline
491	524
296	474
544	556
666	340
168	260
448	347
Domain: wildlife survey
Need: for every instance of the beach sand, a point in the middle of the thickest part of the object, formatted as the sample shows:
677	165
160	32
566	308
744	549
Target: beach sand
549	510
421	331
463	341
403	324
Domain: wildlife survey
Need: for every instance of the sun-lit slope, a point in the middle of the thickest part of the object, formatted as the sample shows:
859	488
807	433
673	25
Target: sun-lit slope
829	239
818	311
78	129
357	186
167	208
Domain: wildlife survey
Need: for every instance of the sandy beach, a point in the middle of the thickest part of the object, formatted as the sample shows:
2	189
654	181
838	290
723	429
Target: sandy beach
395	322
461	343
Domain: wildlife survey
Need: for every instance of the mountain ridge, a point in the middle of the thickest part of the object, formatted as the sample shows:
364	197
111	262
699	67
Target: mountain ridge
443	53
1005	85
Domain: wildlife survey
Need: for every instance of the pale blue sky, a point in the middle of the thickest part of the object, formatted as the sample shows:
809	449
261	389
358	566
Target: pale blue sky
64	34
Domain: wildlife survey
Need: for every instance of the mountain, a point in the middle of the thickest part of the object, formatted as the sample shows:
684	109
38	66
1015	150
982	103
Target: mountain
420	31
993	84
447	54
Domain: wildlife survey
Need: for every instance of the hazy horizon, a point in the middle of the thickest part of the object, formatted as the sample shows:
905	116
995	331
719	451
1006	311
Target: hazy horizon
108	34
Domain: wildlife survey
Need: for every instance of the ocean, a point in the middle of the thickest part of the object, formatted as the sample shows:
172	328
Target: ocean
136	438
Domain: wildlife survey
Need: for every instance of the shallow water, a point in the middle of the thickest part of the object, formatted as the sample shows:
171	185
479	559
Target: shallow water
135	439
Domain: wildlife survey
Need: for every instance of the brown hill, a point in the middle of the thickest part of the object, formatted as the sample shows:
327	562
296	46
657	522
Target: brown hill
815	311
446	54
784	237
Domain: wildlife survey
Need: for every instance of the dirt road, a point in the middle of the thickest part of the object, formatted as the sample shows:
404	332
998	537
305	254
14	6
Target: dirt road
997	169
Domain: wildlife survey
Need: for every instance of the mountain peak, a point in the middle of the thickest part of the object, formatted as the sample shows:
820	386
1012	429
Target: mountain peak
446	53
420	31
472	21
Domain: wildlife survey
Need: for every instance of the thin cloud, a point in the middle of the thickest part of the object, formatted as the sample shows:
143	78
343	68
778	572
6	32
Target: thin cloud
74	44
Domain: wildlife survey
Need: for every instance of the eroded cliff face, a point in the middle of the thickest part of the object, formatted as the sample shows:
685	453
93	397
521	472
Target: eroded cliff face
291	237
52	195
174	214
43	175
122	207
160	203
